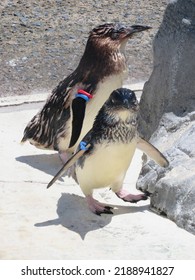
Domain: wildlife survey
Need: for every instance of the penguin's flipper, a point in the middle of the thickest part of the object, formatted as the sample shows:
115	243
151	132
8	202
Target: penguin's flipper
78	114
69	163
152	152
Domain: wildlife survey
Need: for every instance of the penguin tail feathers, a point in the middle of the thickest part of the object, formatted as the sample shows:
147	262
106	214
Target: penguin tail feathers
33	131
24	139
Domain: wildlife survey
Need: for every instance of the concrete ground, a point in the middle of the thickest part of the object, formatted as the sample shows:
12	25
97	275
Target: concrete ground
40	223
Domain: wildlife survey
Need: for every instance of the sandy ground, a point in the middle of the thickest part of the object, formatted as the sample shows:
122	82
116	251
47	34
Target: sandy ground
37	223
42	41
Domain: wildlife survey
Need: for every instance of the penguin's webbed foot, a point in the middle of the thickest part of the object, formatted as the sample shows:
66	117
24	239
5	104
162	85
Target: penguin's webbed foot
133	198
96	207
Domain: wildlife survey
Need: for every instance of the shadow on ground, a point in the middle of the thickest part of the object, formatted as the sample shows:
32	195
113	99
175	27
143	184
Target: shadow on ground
74	215
72	209
49	164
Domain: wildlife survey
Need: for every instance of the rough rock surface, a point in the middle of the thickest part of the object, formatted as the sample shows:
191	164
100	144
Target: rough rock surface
168	104
42	41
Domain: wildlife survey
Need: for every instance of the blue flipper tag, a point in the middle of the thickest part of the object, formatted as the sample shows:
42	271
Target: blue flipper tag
83	94
86	98
83	145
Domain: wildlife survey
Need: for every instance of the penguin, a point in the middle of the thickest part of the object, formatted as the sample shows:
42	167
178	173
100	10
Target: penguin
70	110
106	151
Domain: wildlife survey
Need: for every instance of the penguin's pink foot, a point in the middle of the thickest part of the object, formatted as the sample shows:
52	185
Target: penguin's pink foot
97	207
133	198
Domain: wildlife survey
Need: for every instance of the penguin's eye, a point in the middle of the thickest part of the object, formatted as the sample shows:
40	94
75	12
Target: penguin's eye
114	35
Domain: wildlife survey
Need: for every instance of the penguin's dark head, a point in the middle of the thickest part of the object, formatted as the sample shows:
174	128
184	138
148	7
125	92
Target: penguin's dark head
116	31
115	34
122	99
120	108
105	49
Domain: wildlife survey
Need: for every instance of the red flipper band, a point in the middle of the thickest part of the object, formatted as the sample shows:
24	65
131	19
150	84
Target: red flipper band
81	91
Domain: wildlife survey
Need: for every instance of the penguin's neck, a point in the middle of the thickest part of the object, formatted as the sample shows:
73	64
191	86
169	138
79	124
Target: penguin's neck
115	127
102	61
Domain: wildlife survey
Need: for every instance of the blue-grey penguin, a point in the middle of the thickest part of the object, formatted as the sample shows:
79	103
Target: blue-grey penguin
105	153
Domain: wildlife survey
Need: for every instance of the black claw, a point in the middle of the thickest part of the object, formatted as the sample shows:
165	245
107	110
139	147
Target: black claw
106	211
147	193
132	201
108	207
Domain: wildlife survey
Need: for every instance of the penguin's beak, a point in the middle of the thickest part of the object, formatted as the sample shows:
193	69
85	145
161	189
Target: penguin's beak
137	28
127	32
130	105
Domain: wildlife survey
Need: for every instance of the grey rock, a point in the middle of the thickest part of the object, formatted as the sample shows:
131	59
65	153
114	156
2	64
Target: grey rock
173	188
187	142
167	117
171	85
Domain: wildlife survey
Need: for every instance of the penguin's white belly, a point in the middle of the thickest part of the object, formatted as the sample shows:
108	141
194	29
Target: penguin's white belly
105	166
